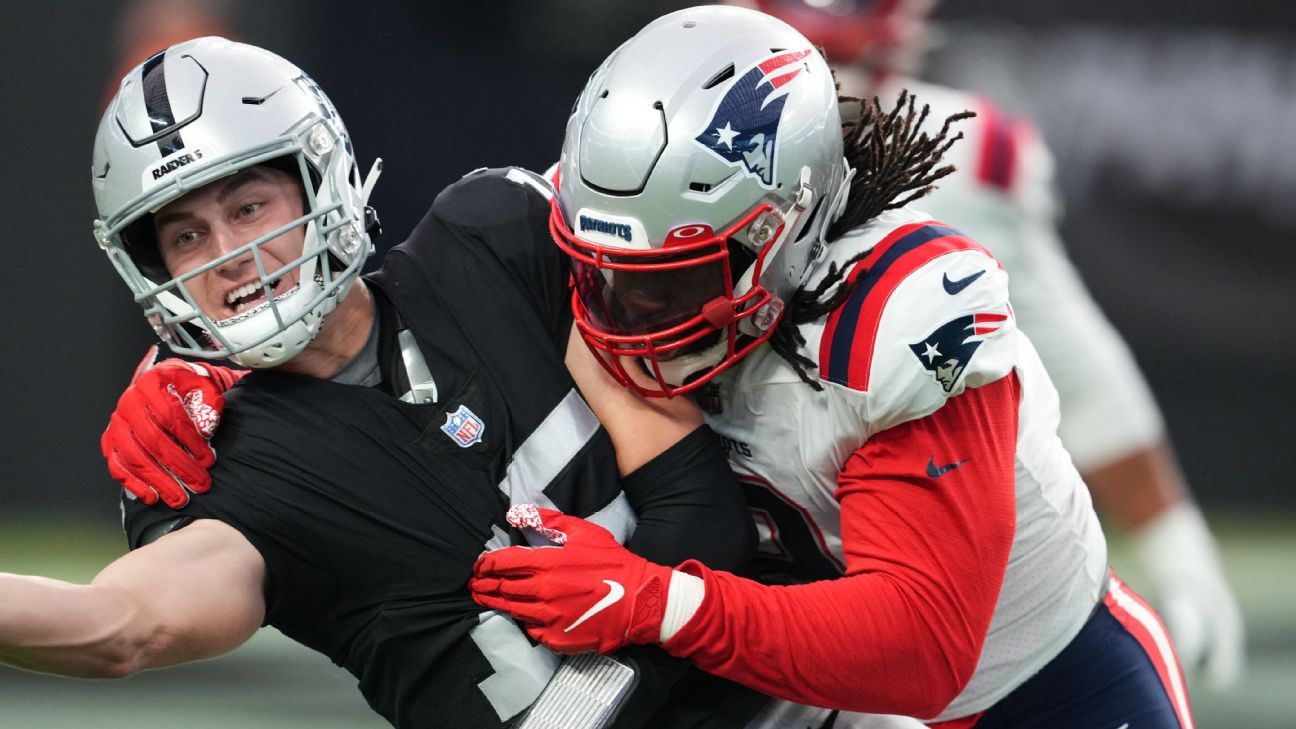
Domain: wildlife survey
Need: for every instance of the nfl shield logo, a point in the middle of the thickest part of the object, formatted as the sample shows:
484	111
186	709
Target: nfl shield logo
464	427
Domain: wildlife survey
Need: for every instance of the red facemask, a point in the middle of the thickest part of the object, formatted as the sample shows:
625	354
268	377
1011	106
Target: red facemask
667	303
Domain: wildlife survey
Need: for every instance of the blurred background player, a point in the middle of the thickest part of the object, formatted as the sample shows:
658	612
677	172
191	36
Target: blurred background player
1002	196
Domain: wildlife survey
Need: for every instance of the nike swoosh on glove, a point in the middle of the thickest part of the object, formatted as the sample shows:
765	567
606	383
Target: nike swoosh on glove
1178	553
591	593
156	441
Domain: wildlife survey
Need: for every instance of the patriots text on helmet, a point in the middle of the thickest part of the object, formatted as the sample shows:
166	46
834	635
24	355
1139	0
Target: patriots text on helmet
621	230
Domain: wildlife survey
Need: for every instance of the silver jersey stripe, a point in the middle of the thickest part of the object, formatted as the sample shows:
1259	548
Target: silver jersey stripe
520	670
548	450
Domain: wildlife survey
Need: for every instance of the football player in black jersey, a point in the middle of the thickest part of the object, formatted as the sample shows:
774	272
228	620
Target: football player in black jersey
386	426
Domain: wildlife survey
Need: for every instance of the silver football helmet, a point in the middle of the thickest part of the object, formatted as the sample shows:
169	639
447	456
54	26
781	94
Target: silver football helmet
197	112
700	170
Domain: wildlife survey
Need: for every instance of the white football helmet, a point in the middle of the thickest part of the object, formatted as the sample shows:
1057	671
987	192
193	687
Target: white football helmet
701	168
197	112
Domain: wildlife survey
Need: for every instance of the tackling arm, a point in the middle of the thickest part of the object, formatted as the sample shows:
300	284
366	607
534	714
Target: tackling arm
925	555
196	593
674	473
901	633
687	501
641	429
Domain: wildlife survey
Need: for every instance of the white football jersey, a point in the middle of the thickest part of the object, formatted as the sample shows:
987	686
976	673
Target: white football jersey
1001	195
929	318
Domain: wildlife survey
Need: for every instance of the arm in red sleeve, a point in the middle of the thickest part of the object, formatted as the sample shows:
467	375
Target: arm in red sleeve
926	553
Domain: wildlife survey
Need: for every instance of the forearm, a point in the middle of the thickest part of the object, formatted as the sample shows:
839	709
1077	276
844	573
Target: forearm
641	428
193	594
925	561
690	506
1134	489
74	630
1145	494
863	643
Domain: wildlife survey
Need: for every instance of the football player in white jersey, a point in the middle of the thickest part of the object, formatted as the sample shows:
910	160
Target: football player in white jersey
1002	196
894	427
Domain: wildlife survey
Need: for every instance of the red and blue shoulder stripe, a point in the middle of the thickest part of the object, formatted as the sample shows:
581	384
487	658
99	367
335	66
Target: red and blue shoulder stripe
846	349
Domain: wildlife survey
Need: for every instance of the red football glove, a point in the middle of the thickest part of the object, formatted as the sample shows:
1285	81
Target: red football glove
156	441
589	594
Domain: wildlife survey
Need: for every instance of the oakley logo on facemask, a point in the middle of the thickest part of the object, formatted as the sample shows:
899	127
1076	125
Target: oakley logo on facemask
744	128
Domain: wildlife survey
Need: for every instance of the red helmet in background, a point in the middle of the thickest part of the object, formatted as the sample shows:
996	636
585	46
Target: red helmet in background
884	34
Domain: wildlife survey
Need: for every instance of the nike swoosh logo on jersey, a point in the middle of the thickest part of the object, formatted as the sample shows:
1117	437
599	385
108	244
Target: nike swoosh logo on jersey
953	287
935	471
615	593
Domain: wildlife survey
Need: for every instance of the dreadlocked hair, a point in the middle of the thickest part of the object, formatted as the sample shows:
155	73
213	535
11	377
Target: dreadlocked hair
894	165
891	157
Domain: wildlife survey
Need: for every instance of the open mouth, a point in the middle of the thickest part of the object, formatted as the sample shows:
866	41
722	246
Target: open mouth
250	299
247	295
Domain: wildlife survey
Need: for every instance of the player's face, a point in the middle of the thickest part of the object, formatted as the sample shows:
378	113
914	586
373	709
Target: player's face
643	301
646	301
220	217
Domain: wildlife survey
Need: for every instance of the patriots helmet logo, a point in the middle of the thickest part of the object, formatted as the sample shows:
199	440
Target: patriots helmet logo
743	130
946	352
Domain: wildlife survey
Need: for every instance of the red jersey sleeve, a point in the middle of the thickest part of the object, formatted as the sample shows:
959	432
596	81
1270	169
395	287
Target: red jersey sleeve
928	516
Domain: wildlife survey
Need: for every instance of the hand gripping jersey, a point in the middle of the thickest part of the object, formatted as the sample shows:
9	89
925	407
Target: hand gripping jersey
898	441
370	511
1001	195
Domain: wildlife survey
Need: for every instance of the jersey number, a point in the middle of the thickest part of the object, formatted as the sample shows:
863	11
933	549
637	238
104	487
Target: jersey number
791	547
521	670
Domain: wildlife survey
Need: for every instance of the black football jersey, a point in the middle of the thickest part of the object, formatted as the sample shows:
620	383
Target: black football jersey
370	511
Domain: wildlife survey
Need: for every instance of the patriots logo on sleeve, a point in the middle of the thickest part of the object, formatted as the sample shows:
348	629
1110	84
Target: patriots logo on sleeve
743	131
946	352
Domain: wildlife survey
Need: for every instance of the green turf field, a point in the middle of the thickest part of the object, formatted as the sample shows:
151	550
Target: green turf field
273	683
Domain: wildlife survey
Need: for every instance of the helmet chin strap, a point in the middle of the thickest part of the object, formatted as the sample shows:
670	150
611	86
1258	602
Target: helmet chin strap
676	372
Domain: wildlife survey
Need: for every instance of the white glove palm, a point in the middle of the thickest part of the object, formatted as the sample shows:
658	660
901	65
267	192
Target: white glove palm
1178	553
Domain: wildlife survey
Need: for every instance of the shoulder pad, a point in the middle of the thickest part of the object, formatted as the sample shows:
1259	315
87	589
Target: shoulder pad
998	149
490	195
1000	141
530	179
923	302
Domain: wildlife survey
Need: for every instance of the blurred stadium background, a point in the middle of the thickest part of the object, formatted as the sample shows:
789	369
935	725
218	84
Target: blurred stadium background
1173	124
